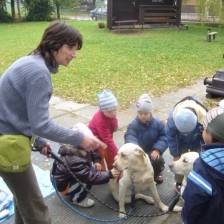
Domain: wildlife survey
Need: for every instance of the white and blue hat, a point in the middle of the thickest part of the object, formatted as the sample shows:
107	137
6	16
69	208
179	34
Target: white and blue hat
185	120
107	100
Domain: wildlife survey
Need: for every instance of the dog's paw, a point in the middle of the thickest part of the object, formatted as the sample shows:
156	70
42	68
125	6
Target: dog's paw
177	208
164	208
149	200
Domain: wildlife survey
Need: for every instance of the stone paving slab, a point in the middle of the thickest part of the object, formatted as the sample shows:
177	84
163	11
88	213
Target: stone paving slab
87	112
69	106
54	113
70	120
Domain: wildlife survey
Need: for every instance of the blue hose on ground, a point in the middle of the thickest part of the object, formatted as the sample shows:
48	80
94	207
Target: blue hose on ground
68	204
80	213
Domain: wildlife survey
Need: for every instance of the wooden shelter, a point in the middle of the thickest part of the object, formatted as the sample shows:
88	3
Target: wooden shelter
142	12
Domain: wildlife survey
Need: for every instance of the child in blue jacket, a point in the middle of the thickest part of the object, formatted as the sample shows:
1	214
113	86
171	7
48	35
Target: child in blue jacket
204	192
183	129
149	133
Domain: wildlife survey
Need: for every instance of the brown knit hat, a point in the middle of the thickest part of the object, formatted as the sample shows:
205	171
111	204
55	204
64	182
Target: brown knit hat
214	123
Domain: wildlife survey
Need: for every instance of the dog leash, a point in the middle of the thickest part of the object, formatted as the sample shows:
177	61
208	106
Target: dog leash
72	207
176	199
70	172
132	196
57	159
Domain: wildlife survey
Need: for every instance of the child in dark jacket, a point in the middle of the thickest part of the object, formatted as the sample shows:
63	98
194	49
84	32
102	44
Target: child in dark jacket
86	167
204	192
149	133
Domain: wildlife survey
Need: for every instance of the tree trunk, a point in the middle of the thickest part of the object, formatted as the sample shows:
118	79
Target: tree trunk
18	8
13	10
58	11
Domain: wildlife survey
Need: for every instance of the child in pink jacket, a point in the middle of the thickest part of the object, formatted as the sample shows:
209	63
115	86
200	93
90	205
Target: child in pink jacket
103	124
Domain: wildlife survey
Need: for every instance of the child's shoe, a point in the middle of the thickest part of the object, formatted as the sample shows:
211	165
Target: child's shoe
85	203
158	178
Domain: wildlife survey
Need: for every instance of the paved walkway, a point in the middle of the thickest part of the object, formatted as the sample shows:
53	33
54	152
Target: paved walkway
68	113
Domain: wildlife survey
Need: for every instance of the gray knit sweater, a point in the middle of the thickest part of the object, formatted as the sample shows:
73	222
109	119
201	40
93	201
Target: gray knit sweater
25	91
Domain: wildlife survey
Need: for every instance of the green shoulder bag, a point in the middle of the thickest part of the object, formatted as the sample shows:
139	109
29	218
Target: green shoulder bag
15	153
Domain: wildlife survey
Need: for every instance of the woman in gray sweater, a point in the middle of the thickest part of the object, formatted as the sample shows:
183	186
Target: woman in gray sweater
25	91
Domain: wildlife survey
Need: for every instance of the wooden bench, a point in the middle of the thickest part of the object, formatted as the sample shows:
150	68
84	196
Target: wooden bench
160	18
164	14
120	22
211	35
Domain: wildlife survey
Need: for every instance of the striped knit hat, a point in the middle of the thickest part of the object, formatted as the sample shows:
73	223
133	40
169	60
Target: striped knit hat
213	122
107	100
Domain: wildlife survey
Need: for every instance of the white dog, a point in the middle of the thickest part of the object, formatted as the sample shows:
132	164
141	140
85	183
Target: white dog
183	166
137	171
221	103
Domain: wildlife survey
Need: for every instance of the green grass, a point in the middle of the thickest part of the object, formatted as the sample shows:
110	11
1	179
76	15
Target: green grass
156	61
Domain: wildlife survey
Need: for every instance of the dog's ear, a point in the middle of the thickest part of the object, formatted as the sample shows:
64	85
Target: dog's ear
123	154
185	159
142	155
138	151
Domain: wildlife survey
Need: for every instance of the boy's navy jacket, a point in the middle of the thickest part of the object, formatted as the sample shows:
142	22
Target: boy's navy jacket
79	162
192	140
148	136
204	192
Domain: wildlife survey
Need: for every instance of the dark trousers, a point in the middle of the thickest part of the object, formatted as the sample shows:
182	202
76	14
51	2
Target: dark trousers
29	205
158	165
77	192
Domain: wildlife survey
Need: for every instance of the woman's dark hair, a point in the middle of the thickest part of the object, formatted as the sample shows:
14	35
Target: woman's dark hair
54	37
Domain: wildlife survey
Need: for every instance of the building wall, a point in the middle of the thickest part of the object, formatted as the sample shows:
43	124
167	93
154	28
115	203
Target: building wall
122	10
189	6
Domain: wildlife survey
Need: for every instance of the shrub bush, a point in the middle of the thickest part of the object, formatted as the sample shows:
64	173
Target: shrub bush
101	25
